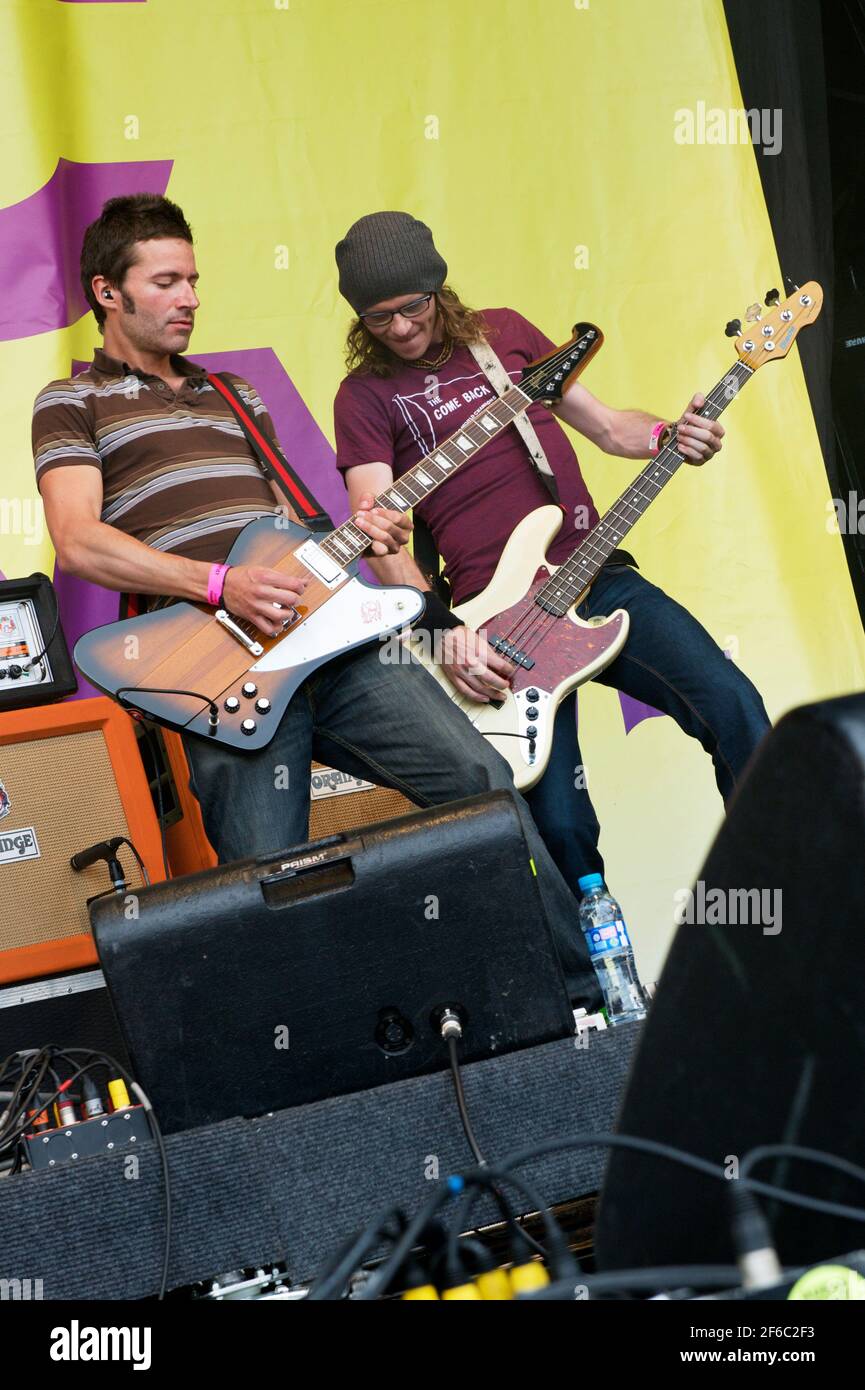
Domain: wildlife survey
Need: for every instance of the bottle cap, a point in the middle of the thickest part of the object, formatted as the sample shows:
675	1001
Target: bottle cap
590	881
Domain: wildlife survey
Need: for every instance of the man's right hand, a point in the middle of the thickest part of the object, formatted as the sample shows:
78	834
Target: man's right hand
257	594
473	667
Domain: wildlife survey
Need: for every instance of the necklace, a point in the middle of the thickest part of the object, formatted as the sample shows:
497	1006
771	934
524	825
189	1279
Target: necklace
428	363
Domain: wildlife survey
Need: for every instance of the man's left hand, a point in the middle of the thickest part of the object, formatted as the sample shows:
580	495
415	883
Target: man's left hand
699	439
388	530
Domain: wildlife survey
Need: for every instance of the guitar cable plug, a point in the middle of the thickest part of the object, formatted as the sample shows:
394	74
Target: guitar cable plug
213	708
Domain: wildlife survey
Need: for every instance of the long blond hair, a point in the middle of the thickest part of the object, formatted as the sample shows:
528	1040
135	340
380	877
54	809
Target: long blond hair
367	355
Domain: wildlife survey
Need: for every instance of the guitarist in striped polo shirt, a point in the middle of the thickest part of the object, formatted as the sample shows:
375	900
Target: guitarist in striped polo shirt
412	382
147	478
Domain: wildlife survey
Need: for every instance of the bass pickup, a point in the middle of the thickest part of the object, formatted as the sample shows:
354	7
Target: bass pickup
519	658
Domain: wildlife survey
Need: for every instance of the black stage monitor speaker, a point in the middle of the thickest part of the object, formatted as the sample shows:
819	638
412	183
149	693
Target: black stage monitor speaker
277	981
757	1030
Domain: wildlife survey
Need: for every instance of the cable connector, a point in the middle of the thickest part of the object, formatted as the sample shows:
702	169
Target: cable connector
450	1024
93	1105
756	1257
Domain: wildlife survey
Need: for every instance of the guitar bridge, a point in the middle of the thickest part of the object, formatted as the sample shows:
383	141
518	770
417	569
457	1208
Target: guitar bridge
513	653
237	632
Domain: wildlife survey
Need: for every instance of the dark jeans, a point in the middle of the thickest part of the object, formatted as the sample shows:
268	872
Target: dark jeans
669	661
394	725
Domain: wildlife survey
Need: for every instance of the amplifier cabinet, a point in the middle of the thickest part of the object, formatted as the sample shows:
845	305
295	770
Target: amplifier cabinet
70	775
277	981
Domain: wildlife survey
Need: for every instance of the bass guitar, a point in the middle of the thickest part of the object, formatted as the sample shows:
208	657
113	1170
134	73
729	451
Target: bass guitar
527	612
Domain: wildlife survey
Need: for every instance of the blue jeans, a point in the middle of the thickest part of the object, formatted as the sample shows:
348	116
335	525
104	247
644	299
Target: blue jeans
669	661
394	725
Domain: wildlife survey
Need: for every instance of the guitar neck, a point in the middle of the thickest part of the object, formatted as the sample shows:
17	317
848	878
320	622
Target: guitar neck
541	380
348	542
583	564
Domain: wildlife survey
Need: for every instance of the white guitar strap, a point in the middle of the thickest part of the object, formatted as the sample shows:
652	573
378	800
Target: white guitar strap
500	381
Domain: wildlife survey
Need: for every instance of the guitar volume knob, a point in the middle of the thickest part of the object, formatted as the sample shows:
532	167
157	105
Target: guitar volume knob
263	705
250	690
231	704
248	727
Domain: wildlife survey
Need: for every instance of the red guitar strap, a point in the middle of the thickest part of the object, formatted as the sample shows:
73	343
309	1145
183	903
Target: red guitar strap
272	461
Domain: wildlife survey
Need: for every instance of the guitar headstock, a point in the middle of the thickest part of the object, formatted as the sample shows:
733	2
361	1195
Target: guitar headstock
546	378
771	335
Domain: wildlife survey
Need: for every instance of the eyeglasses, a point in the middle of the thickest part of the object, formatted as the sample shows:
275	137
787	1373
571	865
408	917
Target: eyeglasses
382	317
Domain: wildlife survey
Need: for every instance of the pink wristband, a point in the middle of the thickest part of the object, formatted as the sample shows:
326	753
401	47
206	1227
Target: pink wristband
216	583
657	431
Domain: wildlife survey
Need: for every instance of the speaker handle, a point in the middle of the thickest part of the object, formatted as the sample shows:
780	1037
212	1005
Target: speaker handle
322	867
301	859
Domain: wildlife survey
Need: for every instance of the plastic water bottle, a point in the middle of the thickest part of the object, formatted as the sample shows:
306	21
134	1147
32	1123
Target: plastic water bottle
610	949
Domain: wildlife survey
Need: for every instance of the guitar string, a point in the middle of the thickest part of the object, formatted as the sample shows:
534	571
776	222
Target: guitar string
670	465
533	626
360	542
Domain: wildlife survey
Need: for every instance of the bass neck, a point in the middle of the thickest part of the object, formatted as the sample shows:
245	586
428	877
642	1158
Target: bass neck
582	566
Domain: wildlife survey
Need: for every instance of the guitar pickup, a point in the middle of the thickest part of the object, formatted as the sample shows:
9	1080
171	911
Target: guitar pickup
320	565
513	653
291	615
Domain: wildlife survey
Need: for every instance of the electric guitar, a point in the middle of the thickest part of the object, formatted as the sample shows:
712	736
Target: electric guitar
206	671
526	611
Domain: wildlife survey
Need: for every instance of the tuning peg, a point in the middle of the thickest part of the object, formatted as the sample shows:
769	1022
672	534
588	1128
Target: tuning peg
734	328
753	313
771	299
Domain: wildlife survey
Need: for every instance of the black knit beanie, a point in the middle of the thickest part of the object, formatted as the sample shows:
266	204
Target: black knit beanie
386	254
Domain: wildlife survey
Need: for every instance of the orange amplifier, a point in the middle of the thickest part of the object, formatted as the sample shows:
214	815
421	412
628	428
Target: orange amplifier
70	775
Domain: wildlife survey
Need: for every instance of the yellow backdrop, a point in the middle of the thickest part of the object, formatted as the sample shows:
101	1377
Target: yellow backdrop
522	131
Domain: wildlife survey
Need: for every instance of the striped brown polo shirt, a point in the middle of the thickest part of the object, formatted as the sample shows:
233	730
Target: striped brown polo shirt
177	471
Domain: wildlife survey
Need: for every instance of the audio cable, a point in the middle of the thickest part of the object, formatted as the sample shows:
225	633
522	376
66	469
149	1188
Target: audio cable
452	1031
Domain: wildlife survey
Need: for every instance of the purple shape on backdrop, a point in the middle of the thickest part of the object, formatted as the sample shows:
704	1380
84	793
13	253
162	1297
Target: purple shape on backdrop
85	606
306	448
635	711
40	290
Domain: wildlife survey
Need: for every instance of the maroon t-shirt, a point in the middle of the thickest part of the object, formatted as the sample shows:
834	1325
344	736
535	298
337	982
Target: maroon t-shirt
400	419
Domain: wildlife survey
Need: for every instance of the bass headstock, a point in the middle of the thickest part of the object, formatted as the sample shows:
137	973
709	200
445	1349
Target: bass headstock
771	335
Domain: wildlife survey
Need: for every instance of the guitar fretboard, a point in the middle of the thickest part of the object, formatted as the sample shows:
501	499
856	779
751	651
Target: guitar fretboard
348	542
544	381
564	587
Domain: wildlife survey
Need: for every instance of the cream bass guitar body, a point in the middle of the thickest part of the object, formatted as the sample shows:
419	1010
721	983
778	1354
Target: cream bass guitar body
527	611
552	653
